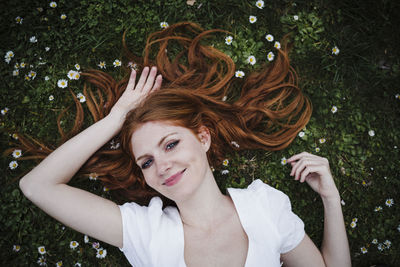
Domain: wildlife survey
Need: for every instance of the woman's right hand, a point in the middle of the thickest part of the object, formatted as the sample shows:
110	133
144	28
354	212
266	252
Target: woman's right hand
134	94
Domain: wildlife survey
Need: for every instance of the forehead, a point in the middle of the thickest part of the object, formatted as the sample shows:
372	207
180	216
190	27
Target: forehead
150	133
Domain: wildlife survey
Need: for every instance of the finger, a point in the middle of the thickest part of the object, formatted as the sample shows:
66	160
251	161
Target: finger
301	165
143	78
307	171
132	78
157	84
150	80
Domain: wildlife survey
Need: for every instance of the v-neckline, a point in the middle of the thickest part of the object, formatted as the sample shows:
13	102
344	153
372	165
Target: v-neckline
242	222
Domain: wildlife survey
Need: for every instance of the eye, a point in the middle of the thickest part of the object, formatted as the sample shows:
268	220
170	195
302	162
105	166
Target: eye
146	164
172	145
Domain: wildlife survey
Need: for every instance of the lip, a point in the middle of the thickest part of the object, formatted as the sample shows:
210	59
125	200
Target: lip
174	178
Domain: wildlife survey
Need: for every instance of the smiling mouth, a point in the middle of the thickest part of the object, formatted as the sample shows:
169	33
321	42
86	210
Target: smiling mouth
174	178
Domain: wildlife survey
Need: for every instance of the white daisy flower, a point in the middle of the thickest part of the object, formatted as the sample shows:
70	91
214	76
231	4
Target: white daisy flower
398	228
59	264
353	224
46	78
228	40
270	56
252	19
284	161
63	16
389	202
225	162
7	60
73	244
239	74
334	109
277	45
15	72
355	220
15	136
235	144
42	250
251	60
322	140
387	243
335	50
295	17
102	65
371	133
17	153
260	4
93	177
51	97
105	189
33	39
317	149
78	264
13	164
342	202
132	65
77	66
117	63
40	9
62	83
16	66
53	4
224	172
269	37
212	169
42	261
19	20
164	25
379	208
381	247
364	250
101	253
397	96
22	65
9	54
86	239
32	74
81	97
224	98
301	134
4	111
47	49
374	241
96	245
16	248
72	74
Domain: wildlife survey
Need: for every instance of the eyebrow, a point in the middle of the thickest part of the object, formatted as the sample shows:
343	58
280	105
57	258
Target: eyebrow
159	144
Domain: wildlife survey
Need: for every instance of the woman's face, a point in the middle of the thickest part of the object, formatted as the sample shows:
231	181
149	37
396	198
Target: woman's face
173	159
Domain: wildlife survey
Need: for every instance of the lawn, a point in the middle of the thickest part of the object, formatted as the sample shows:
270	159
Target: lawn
346	54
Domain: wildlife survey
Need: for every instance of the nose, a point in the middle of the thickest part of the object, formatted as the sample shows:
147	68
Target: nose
163	165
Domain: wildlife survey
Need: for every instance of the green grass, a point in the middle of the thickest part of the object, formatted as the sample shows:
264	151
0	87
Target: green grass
361	81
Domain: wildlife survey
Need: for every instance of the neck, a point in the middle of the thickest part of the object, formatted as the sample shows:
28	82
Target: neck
207	206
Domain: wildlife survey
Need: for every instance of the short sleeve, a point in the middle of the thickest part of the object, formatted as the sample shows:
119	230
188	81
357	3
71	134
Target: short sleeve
137	224
152	236
289	226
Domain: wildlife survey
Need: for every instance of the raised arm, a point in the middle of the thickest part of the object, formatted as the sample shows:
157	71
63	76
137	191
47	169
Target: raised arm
46	185
335	248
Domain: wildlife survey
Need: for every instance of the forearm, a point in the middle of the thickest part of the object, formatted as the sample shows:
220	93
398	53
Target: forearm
61	165
335	247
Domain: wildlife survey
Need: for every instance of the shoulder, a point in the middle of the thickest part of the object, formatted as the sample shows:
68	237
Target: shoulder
260	191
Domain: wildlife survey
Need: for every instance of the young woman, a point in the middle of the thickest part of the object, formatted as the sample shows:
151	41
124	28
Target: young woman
170	136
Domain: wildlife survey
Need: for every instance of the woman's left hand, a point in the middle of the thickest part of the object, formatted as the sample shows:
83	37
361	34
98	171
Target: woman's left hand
315	171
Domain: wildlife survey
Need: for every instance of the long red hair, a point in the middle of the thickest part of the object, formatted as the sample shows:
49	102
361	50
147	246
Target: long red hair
266	110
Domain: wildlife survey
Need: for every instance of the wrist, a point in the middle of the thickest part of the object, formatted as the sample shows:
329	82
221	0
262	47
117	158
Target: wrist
117	117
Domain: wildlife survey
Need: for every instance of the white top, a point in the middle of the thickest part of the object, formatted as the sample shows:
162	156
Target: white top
155	237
